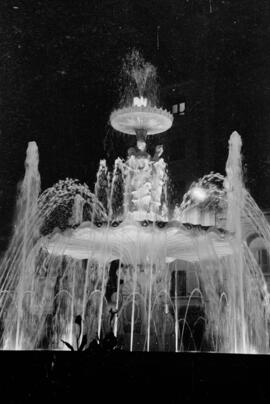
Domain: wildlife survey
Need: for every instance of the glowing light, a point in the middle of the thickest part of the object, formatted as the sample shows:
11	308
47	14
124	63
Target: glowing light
199	194
139	102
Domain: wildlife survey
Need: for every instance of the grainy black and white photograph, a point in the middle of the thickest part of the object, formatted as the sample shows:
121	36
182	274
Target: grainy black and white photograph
134	200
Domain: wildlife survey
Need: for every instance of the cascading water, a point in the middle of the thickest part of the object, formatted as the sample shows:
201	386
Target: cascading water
234	212
237	300
18	262
82	265
58	266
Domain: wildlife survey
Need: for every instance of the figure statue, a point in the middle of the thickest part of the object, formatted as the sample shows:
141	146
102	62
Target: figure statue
158	178
158	152
146	178
131	152
141	150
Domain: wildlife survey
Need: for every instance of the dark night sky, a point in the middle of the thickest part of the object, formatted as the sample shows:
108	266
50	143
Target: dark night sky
59	78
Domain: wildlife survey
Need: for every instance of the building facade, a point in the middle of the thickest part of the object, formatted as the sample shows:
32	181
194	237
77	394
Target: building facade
188	145
190	153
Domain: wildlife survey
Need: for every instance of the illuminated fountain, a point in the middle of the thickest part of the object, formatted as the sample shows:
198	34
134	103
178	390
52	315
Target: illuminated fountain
114	258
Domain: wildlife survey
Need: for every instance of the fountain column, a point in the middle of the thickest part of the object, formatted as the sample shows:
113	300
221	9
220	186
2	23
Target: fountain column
27	222
235	188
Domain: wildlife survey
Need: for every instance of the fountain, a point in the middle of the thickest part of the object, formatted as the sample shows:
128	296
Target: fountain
117	258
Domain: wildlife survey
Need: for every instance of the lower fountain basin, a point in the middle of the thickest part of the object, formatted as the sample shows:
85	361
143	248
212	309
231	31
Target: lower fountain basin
140	242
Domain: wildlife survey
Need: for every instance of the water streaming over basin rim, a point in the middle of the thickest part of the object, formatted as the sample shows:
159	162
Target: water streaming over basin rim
173	241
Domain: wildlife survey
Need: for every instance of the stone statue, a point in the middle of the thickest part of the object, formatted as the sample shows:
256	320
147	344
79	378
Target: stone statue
158	152
146	179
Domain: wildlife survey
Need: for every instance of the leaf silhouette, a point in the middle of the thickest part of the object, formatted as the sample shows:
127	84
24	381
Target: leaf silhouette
83	343
68	345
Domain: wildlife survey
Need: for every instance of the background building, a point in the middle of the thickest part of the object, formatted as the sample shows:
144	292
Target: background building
188	144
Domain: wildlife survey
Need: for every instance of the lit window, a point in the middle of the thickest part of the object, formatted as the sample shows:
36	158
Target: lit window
179	108
263	260
175	109
182	107
260	253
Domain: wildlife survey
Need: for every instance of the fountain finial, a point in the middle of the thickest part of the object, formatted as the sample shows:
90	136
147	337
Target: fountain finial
139	102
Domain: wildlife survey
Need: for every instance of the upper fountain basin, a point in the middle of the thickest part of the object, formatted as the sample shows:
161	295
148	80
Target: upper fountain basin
151	119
